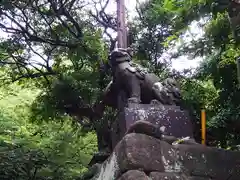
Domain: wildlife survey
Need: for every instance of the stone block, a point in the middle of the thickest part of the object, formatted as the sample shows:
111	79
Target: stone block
170	119
207	161
173	176
139	151
165	176
200	178
192	162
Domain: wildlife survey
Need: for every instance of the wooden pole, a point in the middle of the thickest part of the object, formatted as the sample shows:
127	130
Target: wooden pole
203	124
121	25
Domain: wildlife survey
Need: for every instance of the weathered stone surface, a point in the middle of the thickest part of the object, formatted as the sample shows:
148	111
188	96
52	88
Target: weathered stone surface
138	151
134	175
199	178
170	119
209	162
145	127
173	176
148	154
165	176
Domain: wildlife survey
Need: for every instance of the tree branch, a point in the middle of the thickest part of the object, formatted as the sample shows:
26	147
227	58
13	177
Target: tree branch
34	75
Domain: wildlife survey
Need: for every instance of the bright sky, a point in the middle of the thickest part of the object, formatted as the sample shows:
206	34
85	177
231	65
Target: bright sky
179	63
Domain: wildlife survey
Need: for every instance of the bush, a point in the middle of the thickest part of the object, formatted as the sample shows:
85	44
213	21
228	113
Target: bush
50	150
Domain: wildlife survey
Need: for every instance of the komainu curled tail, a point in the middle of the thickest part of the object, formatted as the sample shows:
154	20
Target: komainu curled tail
167	92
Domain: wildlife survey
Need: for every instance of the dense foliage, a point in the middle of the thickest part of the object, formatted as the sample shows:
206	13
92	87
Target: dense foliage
53	67
51	150
215	81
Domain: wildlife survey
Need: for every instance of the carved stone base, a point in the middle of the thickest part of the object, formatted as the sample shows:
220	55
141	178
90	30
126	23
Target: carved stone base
170	120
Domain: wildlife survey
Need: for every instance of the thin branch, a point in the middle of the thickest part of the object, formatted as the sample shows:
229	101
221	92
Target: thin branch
35	75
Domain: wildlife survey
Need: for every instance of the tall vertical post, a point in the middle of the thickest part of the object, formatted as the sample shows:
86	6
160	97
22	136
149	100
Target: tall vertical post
203	124
121	26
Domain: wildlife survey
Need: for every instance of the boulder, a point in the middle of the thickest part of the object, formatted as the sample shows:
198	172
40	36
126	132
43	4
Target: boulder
134	175
139	151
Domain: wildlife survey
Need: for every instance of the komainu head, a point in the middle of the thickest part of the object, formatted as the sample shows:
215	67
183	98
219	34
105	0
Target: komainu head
120	55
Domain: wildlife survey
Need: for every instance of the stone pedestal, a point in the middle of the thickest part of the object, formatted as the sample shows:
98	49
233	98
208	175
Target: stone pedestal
170	119
138	156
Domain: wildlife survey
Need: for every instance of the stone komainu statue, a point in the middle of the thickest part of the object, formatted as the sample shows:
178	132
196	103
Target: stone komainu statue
137	84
